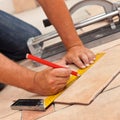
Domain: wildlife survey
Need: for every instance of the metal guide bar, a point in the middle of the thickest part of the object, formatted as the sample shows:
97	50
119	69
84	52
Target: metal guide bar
54	34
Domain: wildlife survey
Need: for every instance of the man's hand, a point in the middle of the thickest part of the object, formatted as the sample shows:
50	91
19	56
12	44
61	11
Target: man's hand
50	81
80	56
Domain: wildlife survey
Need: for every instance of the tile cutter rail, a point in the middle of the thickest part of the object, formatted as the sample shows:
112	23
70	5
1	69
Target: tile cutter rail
36	44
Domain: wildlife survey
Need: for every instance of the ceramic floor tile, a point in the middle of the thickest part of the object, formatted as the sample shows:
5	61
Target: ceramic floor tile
89	85
13	116
114	84
105	107
33	115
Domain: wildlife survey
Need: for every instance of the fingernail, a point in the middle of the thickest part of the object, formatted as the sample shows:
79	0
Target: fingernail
91	62
94	58
87	65
83	66
66	66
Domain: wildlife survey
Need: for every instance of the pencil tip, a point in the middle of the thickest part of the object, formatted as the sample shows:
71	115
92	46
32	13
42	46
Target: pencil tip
27	55
78	75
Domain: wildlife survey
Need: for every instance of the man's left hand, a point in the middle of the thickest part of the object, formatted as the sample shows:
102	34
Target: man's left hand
80	56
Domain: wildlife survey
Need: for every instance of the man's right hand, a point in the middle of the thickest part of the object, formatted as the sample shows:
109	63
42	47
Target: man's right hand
50	81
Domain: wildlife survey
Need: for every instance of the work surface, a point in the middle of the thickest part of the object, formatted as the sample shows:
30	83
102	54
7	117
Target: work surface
105	107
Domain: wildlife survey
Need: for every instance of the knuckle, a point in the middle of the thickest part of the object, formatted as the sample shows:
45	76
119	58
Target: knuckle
53	88
51	82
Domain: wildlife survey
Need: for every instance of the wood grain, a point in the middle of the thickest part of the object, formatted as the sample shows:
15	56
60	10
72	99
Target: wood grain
88	86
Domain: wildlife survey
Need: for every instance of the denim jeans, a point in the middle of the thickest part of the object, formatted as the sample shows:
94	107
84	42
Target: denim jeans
14	34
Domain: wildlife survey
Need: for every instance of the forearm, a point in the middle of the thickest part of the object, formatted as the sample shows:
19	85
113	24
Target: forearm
14	74
59	16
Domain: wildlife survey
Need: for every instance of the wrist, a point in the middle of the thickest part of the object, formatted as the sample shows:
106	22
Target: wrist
29	84
70	42
74	45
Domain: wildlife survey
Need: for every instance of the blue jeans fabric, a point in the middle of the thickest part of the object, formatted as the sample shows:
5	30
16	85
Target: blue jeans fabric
14	34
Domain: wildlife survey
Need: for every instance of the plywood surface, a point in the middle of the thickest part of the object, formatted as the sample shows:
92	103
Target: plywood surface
89	85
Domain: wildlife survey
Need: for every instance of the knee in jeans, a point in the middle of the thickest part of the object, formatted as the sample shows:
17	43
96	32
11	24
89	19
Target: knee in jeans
34	32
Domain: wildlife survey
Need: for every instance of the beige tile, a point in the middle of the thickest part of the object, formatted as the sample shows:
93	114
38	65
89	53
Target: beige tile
60	106
105	107
114	84
14	116
89	85
33	115
23	5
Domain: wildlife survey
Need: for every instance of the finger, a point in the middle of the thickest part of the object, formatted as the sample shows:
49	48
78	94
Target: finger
53	81
61	72
61	88
91	57
61	80
58	88
78	62
84	58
